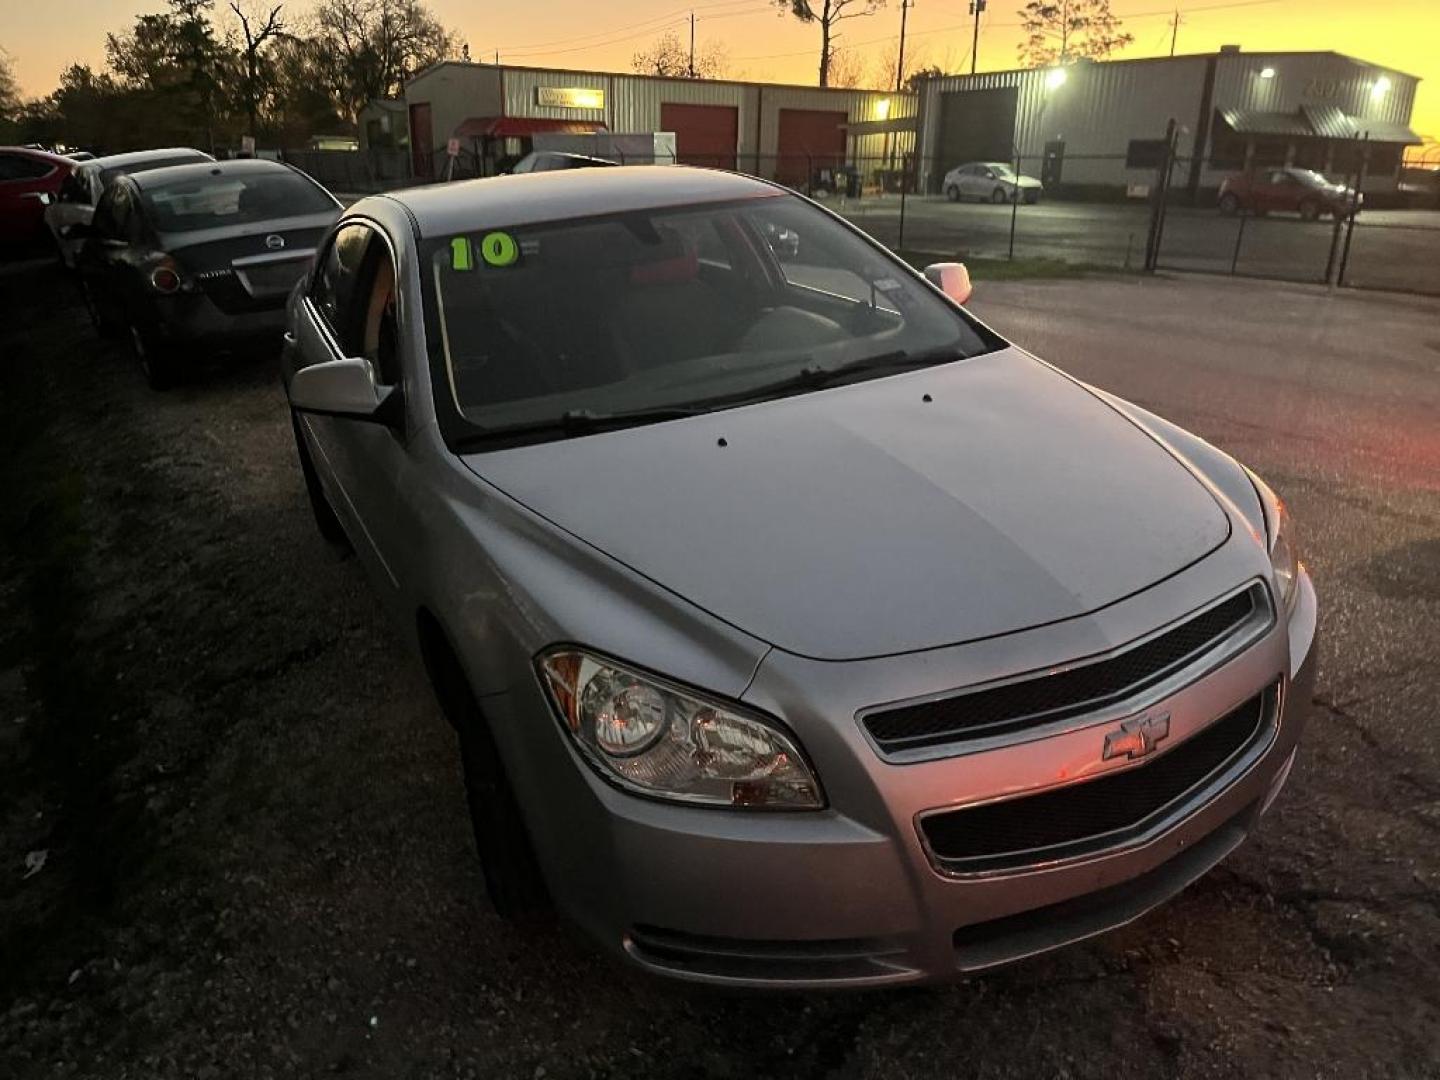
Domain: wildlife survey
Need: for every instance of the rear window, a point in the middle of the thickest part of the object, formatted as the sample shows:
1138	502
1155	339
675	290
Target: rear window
208	202
107	175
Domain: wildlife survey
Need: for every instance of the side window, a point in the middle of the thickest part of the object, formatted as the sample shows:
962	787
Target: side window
333	289
15	167
124	225
104	219
75	188
378	315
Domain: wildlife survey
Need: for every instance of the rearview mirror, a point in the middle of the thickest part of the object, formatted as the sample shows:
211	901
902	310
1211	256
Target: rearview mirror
344	388
952	279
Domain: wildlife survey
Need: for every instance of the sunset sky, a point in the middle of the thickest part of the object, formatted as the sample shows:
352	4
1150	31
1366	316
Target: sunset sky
42	36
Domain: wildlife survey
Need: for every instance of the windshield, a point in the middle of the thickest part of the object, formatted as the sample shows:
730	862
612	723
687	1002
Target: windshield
1003	171
208	202
1310	176
686	307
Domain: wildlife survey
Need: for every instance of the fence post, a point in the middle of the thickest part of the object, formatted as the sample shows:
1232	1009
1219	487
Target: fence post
904	186
1157	200
1014	207
1239	236
1354	207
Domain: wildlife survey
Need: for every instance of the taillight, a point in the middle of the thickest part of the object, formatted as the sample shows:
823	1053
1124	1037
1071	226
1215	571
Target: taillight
165	279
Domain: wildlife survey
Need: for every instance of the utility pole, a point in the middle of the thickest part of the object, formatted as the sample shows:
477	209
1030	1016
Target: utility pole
976	7
692	44
905	6
1174	31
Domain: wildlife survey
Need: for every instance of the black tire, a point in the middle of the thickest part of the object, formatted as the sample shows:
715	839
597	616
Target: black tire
512	876
1310	210
325	520
1229	204
103	327
952	193
154	357
998	196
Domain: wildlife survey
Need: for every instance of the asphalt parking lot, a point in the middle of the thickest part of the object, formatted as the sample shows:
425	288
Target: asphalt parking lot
1391	249
257	860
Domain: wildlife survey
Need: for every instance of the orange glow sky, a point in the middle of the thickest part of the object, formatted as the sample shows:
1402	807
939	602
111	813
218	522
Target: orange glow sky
42	36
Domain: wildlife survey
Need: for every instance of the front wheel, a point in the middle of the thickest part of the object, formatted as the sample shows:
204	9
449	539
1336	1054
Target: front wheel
952	193
104	327
512	876
1229	204
153	356
1309	210
998	196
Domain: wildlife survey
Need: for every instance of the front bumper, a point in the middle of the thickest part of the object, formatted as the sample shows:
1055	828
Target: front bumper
848	896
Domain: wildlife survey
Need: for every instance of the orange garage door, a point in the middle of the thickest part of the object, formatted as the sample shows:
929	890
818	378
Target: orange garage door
809	139
704	134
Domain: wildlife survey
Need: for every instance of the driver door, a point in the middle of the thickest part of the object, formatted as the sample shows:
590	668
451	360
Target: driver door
352	309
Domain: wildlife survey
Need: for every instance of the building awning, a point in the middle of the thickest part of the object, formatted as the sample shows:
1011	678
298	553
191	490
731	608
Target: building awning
1257	122
492	127
1328	121
1383	131
1317	121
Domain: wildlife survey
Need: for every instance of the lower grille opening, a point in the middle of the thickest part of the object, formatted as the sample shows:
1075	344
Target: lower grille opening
752	959
1015	937
1100	813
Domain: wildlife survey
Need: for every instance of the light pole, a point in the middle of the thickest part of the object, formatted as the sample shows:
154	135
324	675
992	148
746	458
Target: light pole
976	7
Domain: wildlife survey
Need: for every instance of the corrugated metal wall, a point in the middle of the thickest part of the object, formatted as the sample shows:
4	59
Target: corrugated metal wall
1096	111
1102	106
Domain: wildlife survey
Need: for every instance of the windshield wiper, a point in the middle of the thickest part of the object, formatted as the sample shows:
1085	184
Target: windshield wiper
582	422
815	376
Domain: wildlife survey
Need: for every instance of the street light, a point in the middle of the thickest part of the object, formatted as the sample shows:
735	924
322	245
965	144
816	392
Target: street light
1055	78
1380	88
1267	73
882	109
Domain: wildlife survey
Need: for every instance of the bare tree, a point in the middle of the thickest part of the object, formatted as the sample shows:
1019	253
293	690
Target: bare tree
256	35
1058	31
829	14
371	47
847	69
9	89
885	75
669	57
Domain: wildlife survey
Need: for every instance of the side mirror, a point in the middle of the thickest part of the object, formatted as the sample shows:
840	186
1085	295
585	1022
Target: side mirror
952	279
344	388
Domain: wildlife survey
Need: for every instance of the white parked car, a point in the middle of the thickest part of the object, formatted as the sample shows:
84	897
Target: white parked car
990	181
83	187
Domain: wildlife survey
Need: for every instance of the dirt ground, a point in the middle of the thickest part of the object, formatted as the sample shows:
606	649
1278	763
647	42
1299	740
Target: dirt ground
233	835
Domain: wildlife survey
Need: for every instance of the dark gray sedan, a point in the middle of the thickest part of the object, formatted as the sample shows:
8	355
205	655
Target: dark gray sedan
185	259
798	629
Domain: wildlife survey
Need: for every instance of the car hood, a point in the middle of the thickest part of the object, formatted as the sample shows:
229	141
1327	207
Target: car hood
1030	182
865	520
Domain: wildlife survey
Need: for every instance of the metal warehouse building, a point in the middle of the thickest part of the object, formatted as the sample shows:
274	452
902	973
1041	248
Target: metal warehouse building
778	131
1102	125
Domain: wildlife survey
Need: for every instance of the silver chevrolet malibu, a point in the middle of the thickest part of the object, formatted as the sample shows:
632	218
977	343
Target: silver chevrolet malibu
798	629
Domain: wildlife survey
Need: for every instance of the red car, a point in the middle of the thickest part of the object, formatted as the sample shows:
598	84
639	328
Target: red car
29	180
1297	191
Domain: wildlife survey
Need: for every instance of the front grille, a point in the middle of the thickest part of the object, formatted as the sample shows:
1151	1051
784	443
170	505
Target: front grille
1003	710
1101	813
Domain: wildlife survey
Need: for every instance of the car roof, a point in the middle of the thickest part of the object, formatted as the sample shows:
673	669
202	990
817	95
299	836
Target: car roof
441	209
139	157
243	167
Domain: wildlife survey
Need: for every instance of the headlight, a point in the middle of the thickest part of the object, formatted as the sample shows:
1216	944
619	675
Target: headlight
1280	535
662	740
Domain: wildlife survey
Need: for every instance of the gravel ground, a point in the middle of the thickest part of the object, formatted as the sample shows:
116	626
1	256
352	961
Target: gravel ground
256	860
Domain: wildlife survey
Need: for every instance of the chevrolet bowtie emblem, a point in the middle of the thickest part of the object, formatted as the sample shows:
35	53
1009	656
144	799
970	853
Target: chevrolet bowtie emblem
1136	738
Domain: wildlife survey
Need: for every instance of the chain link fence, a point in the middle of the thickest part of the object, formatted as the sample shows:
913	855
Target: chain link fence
1148	210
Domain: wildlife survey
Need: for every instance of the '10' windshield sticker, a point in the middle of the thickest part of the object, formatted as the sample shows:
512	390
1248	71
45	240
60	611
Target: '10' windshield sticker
498	249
